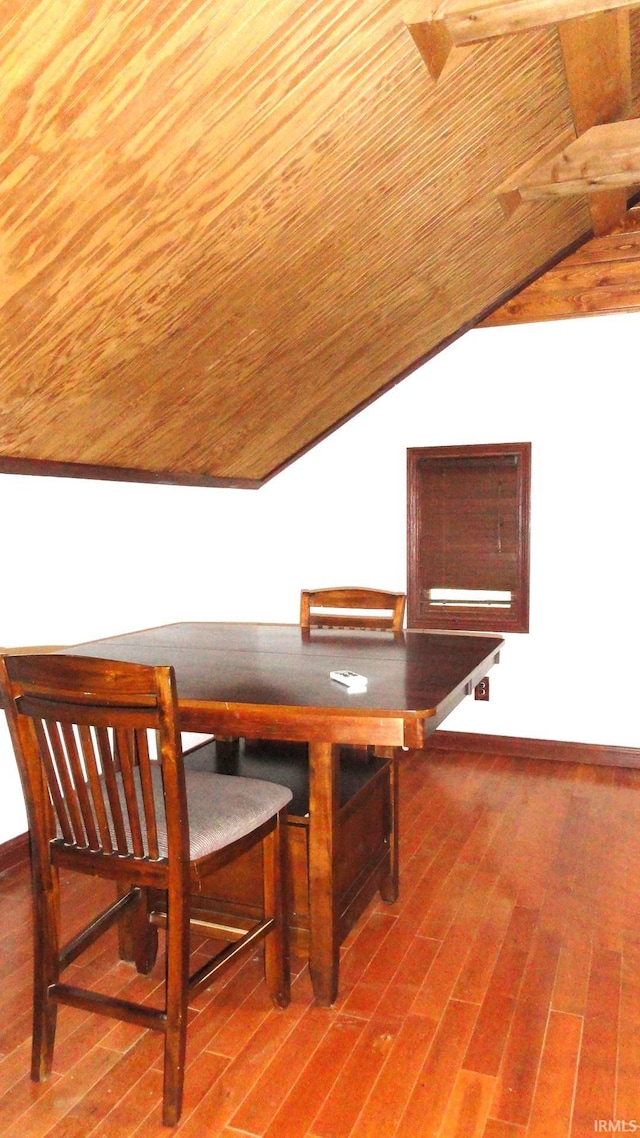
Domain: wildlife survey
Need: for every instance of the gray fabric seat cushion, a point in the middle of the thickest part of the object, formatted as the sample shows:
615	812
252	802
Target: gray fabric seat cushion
221	808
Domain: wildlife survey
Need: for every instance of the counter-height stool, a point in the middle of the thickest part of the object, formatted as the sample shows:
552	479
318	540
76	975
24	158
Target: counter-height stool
98	749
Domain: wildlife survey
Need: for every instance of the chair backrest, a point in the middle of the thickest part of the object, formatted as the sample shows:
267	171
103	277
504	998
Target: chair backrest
80	729
352	608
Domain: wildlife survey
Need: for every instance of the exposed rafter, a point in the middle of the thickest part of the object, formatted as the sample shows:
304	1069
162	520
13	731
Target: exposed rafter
597	66
595	42
605	157
604	164
597	63
458	23
509	194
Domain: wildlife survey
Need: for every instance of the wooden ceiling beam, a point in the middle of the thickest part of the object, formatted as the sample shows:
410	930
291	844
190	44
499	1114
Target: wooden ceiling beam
605	157
458	24
509	194
597	61
602	165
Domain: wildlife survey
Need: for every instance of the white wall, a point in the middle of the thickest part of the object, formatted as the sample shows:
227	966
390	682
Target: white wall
89	558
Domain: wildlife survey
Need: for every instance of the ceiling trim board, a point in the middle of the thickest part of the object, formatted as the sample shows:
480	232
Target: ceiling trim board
43	468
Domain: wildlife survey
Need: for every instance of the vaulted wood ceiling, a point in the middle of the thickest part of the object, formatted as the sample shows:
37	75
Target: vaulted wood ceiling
228	224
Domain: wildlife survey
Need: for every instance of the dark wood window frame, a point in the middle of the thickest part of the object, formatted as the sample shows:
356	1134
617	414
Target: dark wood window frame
468	526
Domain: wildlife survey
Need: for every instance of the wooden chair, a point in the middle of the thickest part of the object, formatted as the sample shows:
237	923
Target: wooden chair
323	608
366	777
318	609
99	803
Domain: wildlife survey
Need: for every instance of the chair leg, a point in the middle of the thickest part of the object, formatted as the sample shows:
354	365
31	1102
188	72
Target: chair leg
275	885
46	970
145	935
177	1000
137	937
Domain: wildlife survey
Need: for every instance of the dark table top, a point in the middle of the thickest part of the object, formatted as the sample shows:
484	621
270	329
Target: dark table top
267	678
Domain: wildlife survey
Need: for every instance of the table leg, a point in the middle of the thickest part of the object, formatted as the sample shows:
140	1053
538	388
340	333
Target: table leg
390	885
324	951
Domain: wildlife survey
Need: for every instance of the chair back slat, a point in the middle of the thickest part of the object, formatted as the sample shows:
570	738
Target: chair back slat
110	765
126	743
90	753
83	749
62	775
79	777
360	608
61	797
144	764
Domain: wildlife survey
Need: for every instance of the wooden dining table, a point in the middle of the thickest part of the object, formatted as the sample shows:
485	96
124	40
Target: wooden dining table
271	681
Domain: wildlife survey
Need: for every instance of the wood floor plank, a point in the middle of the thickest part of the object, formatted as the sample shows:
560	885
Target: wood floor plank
628	1070
260	1106
138	1103
16	1022
20	1097
487	1044
486	942
49	1106
354	1085
497	1129
574	965
222	1001
596	1082
482	838
241	1023
518	1016
374	931
552	1105
419	898
514	807
436	1079
442	911
241	1075
455	948
397	963
468	1108
90	1031
117	1081
316	1081
13	1067
401	992
489	1039
402	1068
520	1063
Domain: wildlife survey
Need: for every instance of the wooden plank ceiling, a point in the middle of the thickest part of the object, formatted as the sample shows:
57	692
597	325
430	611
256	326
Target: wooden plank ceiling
228	224
602	276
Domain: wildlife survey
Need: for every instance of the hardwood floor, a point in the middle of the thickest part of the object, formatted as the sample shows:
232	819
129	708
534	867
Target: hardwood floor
498	998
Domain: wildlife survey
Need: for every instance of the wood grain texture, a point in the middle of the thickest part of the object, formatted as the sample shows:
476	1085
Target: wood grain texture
602	276
597	62
227	226
604	157
469	21
473	827
446	39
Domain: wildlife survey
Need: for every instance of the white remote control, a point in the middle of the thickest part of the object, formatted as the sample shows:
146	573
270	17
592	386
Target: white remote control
351	680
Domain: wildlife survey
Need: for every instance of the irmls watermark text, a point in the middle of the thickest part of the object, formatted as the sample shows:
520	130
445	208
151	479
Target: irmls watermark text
616	1125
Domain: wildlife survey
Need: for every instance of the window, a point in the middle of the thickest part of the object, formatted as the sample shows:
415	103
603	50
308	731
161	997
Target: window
468	537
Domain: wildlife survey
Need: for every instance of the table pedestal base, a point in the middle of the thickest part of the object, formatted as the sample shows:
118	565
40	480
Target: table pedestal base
362	855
